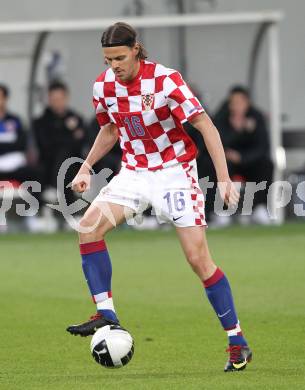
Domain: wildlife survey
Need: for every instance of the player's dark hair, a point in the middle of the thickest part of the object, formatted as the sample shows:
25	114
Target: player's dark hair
240	89
122	34
5	90
58	85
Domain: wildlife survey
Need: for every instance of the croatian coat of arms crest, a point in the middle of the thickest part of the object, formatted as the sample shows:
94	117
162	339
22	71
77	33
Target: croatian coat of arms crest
147	101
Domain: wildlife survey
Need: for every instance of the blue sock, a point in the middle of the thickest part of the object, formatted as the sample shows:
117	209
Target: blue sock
98	272
220	296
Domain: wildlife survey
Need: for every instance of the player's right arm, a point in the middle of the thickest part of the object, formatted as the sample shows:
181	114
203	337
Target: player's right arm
104	142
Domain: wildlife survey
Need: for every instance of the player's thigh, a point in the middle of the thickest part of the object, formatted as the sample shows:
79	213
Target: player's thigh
194	243
103	217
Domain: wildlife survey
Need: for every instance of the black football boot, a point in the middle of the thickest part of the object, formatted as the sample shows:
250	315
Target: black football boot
240	355
90	327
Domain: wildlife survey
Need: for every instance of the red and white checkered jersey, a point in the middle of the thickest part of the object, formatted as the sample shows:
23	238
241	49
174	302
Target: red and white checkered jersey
149	112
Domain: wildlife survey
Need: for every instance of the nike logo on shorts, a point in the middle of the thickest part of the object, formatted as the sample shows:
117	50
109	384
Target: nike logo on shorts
176	219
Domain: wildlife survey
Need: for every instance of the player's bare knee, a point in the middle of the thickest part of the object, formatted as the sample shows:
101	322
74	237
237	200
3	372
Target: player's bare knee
196	256
199	260
86	222
90	230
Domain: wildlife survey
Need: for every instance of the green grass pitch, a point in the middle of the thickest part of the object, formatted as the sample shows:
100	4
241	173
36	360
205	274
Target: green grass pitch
179	343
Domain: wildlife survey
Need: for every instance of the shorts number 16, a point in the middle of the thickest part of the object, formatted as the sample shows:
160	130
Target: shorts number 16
176	200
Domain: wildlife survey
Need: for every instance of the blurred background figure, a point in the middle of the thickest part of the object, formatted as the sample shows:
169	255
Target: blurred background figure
14	166
13	144
245	138
246	142
60	134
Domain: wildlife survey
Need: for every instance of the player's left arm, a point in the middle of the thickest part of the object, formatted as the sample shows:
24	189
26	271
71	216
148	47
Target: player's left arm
210	134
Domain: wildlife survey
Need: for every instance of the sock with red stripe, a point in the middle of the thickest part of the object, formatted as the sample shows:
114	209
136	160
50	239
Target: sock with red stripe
98	272
220	296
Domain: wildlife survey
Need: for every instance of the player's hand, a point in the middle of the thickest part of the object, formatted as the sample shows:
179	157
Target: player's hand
228	192
82	180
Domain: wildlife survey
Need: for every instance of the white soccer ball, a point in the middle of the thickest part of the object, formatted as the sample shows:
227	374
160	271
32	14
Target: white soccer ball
112	346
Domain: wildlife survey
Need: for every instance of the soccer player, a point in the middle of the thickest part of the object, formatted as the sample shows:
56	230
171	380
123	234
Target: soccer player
143	104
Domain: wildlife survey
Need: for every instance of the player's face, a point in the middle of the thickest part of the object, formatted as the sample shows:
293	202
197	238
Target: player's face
123	61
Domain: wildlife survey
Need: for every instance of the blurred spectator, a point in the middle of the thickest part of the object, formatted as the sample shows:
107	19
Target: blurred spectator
245	138
13	144
13	147
60	134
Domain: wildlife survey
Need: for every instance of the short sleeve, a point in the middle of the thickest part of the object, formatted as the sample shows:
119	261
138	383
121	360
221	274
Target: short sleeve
100	112
180	99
